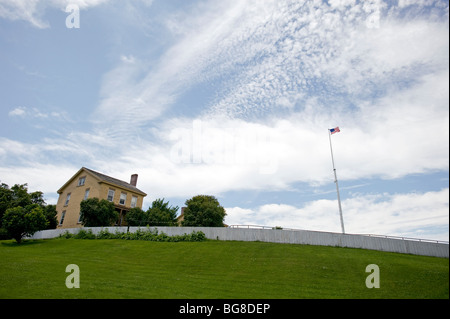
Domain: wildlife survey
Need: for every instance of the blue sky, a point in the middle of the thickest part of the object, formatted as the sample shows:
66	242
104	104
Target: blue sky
234	99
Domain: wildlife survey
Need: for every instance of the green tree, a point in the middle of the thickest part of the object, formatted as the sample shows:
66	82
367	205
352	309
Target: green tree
37	198
203	210
18	196
50	214
5	199
136	217
95	212
161	214
13	197
20	222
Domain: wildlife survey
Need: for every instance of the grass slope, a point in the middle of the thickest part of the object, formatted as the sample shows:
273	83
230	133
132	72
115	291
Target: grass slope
212	269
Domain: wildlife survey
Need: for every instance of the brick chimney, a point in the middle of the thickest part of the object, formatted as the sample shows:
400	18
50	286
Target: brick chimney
133	180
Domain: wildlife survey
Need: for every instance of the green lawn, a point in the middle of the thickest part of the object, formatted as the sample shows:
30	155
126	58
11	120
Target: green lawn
212	269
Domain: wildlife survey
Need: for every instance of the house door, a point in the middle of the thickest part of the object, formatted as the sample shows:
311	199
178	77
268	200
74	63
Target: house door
121	221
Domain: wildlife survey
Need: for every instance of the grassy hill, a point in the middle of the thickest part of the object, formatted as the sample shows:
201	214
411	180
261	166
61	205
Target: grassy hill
212	269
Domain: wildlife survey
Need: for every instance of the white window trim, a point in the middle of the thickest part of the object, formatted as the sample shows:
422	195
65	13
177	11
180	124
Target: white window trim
134	200
81	181
113	194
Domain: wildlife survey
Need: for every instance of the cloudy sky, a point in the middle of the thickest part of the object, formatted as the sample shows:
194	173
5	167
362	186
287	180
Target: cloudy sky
234	99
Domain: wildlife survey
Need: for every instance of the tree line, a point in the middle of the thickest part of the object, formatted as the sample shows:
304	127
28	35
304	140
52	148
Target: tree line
200	210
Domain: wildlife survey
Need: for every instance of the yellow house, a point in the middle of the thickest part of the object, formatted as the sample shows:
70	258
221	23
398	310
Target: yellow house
87	183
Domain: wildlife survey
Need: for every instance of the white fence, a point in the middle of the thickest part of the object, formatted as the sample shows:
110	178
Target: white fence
306	237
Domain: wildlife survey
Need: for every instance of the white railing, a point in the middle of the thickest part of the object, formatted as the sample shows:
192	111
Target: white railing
408	238
254	227
369	235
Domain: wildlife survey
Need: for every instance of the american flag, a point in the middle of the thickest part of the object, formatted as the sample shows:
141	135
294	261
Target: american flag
334	130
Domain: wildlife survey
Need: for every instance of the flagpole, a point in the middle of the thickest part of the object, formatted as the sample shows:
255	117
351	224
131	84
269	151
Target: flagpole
337	185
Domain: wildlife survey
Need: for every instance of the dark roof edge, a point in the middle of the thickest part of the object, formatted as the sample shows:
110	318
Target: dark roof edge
111	180
106	179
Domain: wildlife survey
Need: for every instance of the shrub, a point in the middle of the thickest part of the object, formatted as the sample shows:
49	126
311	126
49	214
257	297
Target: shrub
197	236
83	234
66	235
105	234
147	234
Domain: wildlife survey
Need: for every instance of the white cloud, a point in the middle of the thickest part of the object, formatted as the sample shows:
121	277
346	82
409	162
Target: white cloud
274	57
22	10
319	52
18	111
47	178
35	113
128	59
149	88
376	142
406	3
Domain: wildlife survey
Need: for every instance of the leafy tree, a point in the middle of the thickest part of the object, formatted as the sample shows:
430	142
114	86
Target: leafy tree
161	214
203	210
136	217
13	197
95	212
18	196
5	198
50	214
37	198
20	222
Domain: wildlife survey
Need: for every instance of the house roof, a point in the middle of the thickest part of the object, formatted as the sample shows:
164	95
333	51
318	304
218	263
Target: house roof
104	179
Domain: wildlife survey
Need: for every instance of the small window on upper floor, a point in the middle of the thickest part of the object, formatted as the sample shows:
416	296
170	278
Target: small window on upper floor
133	201
111	195
123	198
67	200
81	181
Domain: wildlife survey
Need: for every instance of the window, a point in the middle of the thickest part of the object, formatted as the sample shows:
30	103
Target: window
67	200
133	201
81	181
123	198
111	195
86	194
79	219
63	214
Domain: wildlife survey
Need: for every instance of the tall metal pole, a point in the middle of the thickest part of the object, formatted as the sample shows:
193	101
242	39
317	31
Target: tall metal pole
337	185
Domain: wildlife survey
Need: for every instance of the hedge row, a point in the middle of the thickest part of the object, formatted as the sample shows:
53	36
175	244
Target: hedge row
148	234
